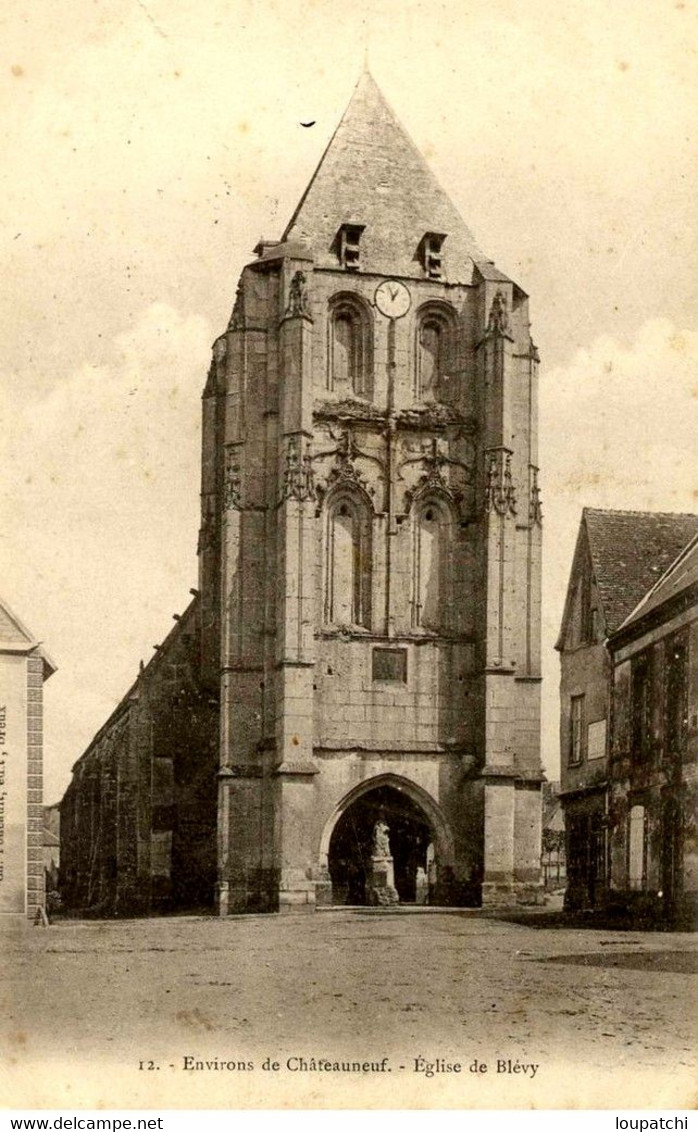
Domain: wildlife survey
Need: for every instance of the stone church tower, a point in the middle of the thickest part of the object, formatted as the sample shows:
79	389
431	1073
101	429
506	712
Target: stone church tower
370	547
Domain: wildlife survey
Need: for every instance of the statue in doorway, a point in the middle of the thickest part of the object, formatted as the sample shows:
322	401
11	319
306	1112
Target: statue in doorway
380	879
381	844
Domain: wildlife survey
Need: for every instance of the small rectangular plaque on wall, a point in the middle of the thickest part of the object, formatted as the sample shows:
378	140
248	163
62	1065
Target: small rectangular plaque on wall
390	664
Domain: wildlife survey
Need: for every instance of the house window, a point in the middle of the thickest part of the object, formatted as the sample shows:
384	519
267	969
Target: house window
589	617
347	243
390	665
348	563
430	566
636	847
430	254
676	668
576	729
641	720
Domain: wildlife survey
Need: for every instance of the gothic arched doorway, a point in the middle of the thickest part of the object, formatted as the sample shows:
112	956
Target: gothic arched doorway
351	844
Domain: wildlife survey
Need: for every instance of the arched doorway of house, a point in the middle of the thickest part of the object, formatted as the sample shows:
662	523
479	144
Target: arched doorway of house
411	839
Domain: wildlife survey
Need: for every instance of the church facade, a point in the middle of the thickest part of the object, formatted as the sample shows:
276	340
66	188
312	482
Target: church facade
368	607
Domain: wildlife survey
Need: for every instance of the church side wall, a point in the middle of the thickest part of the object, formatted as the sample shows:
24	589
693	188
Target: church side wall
138	819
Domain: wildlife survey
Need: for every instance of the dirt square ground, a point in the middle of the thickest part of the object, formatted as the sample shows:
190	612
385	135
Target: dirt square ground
348	1007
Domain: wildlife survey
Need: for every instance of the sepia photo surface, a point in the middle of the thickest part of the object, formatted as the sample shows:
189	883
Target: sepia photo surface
348	636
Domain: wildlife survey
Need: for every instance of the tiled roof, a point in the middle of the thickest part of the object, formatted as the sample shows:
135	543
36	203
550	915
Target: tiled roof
682	574
372	174
630	550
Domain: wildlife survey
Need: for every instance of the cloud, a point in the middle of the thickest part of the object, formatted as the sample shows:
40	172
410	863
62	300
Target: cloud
101	491
618	431
620	420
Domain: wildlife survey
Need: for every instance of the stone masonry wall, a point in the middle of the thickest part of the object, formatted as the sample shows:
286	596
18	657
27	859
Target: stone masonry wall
291	445
664	782
36	896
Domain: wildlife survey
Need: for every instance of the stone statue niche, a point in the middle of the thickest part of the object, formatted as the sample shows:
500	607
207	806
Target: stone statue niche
380	876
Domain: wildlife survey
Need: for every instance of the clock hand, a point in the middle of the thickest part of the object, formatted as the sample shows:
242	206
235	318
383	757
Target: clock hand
394	294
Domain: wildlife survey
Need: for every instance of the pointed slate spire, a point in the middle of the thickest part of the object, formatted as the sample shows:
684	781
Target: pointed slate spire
372	174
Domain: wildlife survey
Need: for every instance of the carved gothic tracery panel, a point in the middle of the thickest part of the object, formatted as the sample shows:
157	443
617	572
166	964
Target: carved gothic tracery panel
298	477
432	469
338	465
500	494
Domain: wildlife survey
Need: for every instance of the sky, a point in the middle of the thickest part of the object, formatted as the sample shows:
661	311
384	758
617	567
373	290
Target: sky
150	145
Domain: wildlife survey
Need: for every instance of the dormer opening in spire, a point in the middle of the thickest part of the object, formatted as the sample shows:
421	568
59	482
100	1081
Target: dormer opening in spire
429	254
346	244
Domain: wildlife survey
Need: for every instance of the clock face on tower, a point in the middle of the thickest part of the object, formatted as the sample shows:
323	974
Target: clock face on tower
392	298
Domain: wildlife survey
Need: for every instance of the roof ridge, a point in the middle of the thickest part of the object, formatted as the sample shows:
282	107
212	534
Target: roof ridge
147	667
31	642
323	155
653	514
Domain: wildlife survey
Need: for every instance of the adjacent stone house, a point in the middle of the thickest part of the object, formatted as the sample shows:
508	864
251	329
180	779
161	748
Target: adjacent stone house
653	797
369	574
618	557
